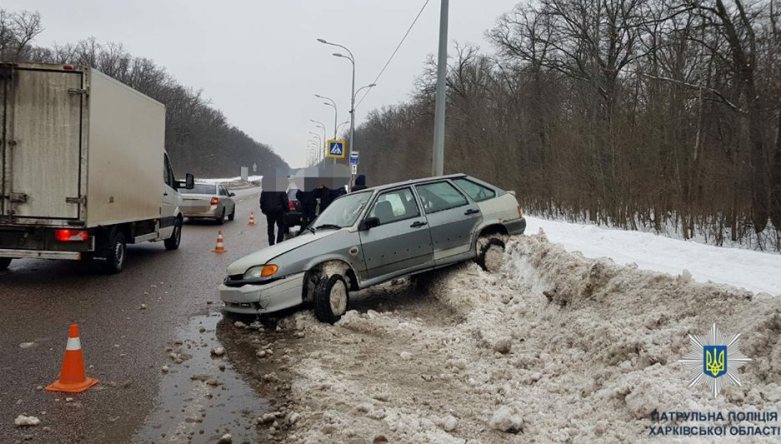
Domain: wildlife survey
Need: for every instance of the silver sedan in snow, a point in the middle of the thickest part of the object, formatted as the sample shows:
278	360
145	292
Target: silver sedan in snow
372	236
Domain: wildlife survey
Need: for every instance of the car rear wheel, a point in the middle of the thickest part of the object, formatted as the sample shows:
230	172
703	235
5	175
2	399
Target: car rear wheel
490	253
233	214
173	242
221	220
115	255
332	297
4	263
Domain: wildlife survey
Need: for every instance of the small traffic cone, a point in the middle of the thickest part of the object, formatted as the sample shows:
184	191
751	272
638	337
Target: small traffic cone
220	248
73	378
251	219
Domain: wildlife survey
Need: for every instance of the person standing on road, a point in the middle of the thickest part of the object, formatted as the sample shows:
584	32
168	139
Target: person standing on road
308	206
324	194
274	204
360	183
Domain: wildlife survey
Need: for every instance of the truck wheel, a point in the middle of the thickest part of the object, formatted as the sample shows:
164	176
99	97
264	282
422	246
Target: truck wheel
115	256
331	298
4	263
490	254
172	243
233	215
221	219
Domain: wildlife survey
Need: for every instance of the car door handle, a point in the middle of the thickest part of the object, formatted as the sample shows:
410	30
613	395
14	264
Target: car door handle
418	224
165	194
471	211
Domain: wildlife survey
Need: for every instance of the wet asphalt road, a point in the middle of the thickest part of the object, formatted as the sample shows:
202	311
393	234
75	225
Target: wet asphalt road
124	345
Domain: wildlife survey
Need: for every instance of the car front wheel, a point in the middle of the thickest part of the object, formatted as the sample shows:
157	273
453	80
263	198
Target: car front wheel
4	263
172	243
332	297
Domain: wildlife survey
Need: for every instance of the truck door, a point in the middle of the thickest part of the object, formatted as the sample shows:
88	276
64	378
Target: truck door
170	200
41	146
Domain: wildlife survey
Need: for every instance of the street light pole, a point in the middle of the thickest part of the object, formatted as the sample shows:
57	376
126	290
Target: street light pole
438	163
321	156
351	58
333	105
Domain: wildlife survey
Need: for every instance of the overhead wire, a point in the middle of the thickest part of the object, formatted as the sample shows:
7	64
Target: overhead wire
395	51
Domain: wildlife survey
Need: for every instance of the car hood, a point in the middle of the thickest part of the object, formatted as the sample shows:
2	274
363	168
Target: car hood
263	256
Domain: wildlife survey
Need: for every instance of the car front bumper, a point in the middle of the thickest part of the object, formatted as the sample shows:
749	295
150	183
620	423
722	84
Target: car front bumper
516	227
260	299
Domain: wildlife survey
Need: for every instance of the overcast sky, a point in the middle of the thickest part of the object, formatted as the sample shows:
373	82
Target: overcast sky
259	61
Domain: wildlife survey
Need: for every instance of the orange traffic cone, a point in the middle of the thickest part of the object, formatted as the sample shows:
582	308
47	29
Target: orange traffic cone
73	378
251	219
220	248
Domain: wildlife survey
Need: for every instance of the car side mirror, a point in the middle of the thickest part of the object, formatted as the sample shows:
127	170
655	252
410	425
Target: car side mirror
232	194
369	223
189	181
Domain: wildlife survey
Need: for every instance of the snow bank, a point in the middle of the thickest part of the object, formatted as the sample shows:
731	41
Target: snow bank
230	179
593	350
752	270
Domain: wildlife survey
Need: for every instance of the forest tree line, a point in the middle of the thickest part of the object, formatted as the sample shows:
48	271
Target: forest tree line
643	114
198	137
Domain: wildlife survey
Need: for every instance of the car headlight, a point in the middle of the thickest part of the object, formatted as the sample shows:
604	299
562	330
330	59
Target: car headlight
261	271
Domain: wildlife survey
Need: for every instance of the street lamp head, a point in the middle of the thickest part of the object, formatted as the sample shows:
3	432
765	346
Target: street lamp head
336	54
327	103
372	85
319	96
321	40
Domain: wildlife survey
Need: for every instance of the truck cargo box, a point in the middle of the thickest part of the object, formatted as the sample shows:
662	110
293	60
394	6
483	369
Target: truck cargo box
77	148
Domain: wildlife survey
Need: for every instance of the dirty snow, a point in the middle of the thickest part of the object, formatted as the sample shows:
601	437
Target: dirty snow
553	348
753	270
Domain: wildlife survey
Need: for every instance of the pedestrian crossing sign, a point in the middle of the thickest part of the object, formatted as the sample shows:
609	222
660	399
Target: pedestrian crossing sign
336	148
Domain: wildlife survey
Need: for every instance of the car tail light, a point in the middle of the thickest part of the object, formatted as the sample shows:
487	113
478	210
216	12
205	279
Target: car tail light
68	67
71	235
291	205
215	200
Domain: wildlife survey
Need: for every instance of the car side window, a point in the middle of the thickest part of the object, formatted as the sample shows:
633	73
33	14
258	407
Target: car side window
166	172
440	196
223	191
394	206
477	192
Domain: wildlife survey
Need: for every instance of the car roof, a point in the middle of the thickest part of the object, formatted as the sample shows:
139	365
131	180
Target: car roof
415	181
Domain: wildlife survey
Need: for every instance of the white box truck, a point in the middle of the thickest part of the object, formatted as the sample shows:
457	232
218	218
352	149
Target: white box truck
83	167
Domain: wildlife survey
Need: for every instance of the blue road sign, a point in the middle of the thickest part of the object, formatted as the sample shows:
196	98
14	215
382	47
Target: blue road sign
354	158
336	149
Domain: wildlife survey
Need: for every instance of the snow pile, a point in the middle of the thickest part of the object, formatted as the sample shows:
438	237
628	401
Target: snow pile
554	348
753	270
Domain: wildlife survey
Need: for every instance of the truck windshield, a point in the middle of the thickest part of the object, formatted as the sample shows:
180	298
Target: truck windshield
343	212
200	188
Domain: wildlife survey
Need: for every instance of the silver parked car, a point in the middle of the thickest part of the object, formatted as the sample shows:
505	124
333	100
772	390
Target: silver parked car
372	236
208	201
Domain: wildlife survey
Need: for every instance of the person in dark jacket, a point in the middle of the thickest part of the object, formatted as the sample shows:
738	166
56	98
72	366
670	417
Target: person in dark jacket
274	204
308	206
360	183
324	194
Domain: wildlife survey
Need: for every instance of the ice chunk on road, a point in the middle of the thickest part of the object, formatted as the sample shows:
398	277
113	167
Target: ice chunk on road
25	421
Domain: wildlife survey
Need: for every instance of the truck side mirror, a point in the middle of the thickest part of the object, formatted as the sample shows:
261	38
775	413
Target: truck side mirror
369	223
189	181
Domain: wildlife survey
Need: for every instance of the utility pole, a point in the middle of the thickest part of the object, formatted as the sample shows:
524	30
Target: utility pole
438	161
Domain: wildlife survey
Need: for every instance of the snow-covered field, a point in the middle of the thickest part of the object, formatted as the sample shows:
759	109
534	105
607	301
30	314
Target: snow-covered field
554	348
752	270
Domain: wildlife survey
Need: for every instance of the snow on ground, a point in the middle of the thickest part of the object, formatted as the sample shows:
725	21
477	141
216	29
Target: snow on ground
230	179
554	348
753	270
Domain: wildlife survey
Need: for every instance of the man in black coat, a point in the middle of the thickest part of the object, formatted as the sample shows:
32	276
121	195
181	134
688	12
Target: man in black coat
308	206
274	204
360	183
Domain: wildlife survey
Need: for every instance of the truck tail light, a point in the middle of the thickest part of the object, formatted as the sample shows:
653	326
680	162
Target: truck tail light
71	235
215	200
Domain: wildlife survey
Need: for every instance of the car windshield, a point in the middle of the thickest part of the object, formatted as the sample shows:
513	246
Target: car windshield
200	188
343	212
